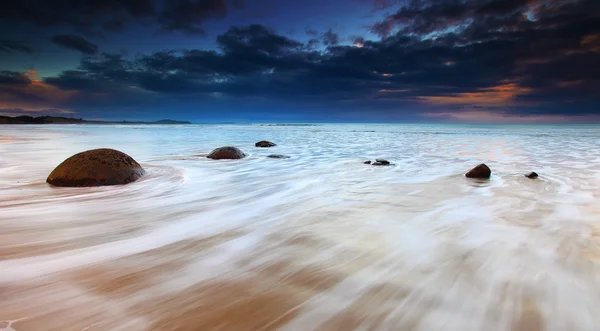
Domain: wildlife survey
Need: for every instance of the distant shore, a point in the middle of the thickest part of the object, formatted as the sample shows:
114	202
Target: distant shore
69	120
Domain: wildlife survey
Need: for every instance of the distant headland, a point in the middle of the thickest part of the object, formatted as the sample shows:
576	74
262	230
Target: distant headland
69	120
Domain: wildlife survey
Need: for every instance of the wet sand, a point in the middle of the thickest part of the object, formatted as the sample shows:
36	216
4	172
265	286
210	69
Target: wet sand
315	242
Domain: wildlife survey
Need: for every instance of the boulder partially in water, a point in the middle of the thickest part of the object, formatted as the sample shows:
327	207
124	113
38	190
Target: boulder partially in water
532	175
278	156
264	144
227	152
481	171
378	162
96	167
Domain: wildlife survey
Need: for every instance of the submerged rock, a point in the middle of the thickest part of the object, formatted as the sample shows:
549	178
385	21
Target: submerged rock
480	171
278	156
378	162
264	143
532	175
227	152
96	167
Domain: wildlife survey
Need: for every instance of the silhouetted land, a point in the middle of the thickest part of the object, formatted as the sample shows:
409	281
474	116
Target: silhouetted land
68	120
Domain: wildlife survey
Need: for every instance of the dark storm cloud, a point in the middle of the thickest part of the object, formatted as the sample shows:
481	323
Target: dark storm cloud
526	57
11	46
88	16
75	43
330	38
13	78
185	15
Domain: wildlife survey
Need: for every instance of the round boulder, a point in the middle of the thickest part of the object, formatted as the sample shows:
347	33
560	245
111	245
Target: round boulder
532	175
480	171
264	144
96	167
227	152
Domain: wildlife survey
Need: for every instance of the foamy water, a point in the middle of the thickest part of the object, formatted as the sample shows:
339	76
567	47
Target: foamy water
318	241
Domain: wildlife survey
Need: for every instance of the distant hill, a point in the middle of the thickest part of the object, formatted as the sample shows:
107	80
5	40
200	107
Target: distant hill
68	120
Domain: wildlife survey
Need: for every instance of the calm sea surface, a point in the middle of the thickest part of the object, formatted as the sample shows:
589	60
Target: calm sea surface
319	241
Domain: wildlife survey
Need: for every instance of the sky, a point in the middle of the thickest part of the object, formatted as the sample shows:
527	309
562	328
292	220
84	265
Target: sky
455	61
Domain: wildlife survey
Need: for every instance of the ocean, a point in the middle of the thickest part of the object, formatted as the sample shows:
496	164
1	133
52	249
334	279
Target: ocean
318	241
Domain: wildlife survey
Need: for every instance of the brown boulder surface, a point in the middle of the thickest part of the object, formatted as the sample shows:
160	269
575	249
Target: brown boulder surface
96	167
532	175
264	143
480	171
227	152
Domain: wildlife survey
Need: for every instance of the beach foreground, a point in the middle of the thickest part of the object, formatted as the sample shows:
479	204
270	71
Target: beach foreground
317	241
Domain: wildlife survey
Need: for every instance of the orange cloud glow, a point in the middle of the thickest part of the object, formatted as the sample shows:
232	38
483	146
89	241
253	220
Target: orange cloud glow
500	95
34	97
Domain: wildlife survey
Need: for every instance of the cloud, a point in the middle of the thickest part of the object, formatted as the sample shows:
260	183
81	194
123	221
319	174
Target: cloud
75	43
521	60
89	16
498	96
330	38
14	78
186	15
25	92
12	46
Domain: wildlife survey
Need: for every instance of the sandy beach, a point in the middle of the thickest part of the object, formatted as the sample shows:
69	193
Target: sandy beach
319	241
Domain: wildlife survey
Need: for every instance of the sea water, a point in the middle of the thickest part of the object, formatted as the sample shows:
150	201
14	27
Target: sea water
318	241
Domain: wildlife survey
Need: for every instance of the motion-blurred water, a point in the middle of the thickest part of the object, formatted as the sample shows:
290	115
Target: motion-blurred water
319	241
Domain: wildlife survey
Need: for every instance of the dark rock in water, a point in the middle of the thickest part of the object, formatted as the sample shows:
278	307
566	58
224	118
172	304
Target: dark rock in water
480	171
367	162
227	152
264	143
96	167
377	164
382	161
278	156
532	175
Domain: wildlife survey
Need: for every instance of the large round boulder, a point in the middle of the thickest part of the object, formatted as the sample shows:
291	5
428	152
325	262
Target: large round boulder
264	143
96	167
227	152
480	171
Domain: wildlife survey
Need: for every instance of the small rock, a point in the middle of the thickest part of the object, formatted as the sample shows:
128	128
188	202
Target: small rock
480	171
264	144
532	175
278	156
368	162
382	161
96	167
227	152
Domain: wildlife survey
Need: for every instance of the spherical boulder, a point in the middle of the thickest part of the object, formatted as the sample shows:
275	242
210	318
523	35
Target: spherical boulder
96	167
481	171
227	152
264	144
532	175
